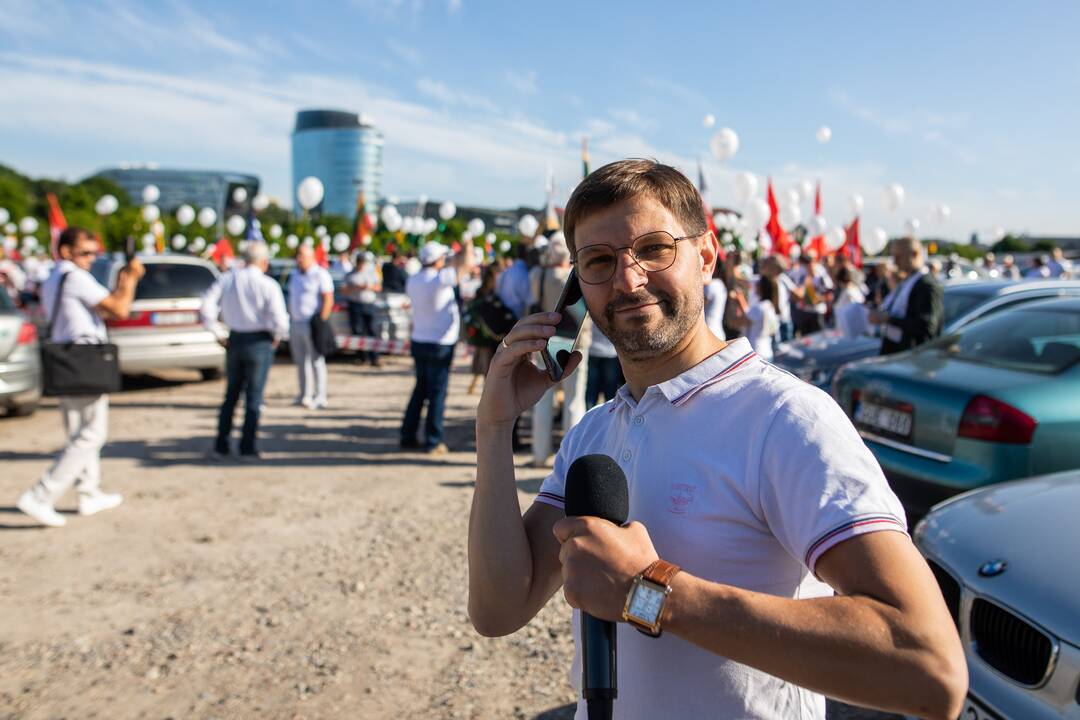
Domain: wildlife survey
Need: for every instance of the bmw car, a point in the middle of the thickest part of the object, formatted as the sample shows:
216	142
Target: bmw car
994	401
20	360
1005	559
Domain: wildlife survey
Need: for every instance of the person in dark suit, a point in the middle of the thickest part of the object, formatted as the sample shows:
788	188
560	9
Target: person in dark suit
914	311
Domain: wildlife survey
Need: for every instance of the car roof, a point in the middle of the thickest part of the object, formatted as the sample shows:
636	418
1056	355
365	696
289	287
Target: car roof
1008	287
1067	303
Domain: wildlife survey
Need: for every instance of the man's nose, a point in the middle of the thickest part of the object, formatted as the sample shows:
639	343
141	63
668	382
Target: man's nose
629	276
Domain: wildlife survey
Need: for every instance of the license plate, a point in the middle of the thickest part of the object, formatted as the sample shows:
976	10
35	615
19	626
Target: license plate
975	710
174	318
879	417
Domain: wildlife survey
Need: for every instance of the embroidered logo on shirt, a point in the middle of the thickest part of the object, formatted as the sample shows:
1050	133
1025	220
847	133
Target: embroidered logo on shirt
682	497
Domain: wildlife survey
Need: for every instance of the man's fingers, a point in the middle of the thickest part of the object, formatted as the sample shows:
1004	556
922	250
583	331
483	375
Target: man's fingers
572	363
568	527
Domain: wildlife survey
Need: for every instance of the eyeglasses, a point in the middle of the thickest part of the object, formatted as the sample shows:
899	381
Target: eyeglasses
652	252
86	253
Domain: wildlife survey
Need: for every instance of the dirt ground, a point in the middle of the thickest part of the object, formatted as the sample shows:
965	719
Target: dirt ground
329	581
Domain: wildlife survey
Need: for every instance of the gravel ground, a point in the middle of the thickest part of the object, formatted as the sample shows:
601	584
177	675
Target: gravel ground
326	582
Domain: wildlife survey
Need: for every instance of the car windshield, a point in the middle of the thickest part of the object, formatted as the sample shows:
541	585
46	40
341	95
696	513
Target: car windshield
167	280
959	302
1036	339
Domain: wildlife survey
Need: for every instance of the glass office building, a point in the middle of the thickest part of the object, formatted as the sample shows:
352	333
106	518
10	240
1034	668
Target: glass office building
343	150
198	188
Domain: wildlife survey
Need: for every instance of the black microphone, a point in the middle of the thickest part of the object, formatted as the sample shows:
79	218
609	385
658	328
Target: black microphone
596	486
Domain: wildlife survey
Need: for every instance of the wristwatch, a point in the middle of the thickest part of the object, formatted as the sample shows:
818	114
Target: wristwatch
648	595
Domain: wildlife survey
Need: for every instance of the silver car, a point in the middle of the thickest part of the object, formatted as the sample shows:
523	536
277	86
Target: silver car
1006	560
163	330
20	360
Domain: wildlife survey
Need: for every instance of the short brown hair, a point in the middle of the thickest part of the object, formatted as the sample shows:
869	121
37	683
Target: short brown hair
625	179
69	236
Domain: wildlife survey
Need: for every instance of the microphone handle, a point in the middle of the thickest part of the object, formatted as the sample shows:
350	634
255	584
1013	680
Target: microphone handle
598	673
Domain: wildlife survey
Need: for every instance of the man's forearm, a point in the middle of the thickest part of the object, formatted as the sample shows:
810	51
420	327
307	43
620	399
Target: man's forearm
500	559
853	648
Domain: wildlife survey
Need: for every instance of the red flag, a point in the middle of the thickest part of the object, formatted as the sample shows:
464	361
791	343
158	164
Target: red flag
57	223
222	252
817	244
320	255
852	248
781	241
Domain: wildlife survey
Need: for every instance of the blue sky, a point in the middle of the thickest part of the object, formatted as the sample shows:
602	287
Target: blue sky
975	105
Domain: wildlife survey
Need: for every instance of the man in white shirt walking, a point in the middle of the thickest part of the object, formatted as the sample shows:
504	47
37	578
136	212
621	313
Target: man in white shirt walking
252	306
311	292
79	319
436	327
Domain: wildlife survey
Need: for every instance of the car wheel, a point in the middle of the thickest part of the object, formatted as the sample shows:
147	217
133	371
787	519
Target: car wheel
23	410
210	373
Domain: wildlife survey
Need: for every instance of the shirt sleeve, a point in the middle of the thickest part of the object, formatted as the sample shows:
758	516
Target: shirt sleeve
326	283
82	286
819	483
210	308
448	277
277	309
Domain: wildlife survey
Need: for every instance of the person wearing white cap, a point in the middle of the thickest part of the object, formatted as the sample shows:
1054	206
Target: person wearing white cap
436	326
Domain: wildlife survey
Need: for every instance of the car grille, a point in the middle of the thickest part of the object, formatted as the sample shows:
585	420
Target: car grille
1009	644
950	590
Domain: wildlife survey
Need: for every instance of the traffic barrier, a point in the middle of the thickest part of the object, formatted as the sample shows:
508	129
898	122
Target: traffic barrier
379	345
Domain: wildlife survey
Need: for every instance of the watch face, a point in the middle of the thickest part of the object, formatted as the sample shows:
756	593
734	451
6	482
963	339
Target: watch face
646	603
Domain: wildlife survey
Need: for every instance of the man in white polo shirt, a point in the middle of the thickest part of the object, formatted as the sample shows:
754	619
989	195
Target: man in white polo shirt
752	499
311	293
83	305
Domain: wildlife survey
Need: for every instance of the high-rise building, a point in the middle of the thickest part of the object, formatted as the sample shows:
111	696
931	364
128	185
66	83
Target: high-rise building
343	150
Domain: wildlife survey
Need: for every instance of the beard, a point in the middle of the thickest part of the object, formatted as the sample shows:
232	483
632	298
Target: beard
643	342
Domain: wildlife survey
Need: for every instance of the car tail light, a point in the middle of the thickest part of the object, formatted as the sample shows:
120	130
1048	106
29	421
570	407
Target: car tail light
135	319
27	334
988	419
340	307
856	396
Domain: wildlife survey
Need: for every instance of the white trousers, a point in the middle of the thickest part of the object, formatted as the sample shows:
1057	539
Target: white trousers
573	410
86	424
310	365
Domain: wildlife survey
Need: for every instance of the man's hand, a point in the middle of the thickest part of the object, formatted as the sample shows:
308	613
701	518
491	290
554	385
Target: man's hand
513	383
599	561
136	269
876	317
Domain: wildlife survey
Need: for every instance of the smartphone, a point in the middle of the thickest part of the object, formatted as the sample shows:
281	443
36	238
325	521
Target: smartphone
571	306
129	248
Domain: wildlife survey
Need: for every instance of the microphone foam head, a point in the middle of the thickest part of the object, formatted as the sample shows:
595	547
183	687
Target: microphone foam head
596	486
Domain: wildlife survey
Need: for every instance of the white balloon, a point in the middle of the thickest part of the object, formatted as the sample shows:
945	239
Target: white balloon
325	242
150	213
912	226
148	241
260	202
320	231
239	195
997	234
476	226
372	219
893	196
835	238
198	244
235	225
106	205
724	144
393	224
447	210
275	231
4	216
806	189
32	242
408	225
150	194
746	186
794	198
795	252
387	212
504	247
310	192
179	242
875	241
942	213
720	220
242	245
28	225
10	244
709	120
817	226
157	227
207	217
790	215
185	215
341	242
274	248
291	242
824	134
11	228
528	225
366	240
757	215
855	202
256	224
750	242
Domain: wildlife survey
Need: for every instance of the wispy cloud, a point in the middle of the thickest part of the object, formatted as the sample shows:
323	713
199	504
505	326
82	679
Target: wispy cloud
443	93
408	53
674	89
633	119
523	82
453	6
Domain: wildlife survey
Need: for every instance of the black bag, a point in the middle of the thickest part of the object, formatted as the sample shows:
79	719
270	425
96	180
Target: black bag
322	337
71	369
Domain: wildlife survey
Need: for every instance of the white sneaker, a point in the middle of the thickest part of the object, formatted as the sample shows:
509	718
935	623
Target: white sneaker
91	504
321	405
309	403
40	510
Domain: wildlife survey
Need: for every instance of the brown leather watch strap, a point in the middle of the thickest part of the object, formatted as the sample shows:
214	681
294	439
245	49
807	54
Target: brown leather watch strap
661	572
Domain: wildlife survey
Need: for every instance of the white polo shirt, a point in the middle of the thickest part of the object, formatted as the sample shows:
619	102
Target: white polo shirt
306	290
76	319
743	475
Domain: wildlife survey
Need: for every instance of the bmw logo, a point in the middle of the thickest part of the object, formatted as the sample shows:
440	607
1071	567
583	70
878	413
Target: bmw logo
993	568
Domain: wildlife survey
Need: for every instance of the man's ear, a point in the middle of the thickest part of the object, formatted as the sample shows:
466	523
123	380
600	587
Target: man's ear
709	252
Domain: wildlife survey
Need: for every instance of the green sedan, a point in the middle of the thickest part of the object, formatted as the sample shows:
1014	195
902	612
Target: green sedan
998	400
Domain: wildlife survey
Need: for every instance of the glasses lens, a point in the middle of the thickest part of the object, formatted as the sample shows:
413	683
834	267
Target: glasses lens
595	263
655	251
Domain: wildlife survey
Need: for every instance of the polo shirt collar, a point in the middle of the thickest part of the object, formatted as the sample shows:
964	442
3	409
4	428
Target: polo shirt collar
684	386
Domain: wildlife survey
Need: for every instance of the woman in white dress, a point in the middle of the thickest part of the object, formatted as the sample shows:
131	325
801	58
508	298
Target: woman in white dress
760	320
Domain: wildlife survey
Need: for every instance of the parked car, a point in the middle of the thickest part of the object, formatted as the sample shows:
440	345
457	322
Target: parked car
20	360
994	401
1005	559
815	358
163	329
